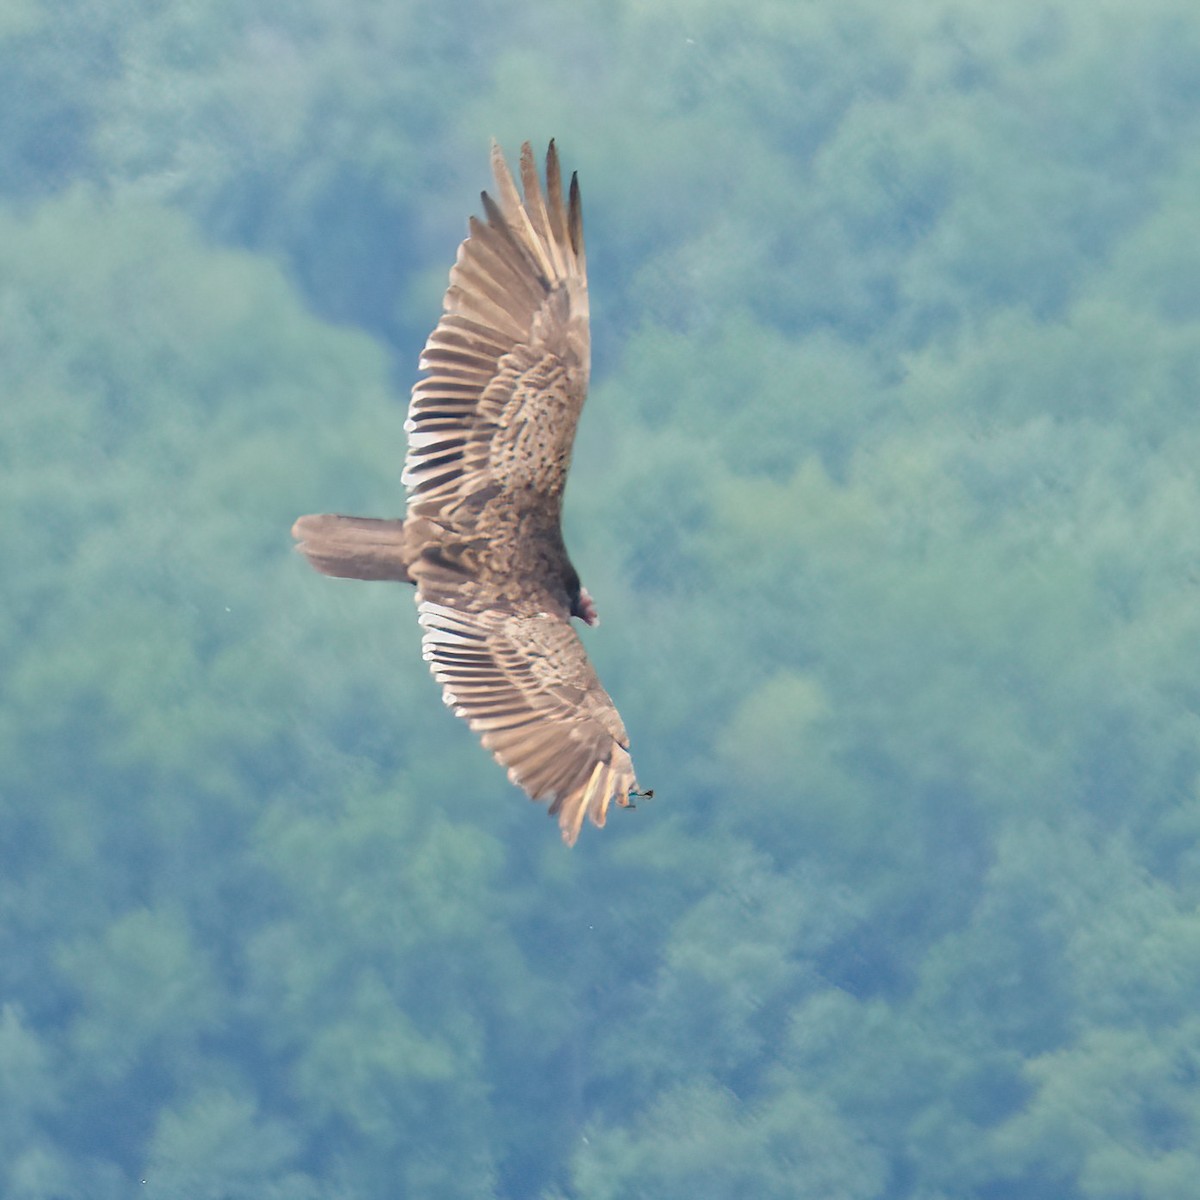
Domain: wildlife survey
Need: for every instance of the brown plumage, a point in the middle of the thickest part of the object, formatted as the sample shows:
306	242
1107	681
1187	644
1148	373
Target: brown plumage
490	431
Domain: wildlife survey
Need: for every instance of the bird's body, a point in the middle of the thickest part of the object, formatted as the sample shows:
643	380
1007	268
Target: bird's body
490	429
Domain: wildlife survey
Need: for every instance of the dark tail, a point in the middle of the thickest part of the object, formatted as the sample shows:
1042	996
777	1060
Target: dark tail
354	547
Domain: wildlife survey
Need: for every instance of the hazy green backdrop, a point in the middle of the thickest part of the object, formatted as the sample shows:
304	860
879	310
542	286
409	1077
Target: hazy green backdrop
888	495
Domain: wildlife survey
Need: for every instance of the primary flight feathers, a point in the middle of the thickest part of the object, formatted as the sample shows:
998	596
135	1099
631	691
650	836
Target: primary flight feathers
490	431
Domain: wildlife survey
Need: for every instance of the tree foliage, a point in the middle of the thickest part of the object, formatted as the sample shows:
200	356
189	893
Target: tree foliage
887	491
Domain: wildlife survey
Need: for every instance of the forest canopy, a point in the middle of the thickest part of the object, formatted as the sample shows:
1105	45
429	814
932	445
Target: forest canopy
886	489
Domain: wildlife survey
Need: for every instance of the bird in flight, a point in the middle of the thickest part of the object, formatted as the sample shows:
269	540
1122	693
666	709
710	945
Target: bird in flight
490	430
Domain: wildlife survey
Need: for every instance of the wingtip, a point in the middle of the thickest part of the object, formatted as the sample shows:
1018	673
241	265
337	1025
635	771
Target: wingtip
570	821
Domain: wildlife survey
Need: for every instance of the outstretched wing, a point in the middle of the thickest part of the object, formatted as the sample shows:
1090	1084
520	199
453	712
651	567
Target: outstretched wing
520	677
508	362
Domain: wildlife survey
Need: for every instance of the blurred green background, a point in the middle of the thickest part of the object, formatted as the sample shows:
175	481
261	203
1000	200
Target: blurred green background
888	494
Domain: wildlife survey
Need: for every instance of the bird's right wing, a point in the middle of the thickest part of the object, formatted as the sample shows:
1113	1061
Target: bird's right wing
523	682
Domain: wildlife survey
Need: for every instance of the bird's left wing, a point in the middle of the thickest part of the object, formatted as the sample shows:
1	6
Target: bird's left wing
508	362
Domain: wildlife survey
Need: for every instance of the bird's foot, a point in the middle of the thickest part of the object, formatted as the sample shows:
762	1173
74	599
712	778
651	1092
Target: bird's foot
648	794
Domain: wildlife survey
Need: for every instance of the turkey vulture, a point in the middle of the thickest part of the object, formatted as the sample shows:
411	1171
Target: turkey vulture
490	430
